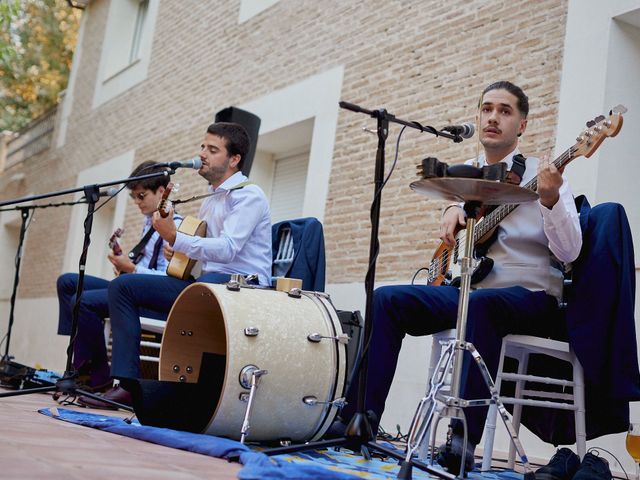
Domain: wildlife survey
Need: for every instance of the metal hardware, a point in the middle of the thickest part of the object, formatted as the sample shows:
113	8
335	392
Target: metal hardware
284	442
233	286
182	378
175	368
251	331
342	338
246	374
255	377
189	369
244	397
311	401
295	293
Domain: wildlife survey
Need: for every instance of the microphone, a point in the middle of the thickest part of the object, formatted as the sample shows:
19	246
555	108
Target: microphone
194	162
466	130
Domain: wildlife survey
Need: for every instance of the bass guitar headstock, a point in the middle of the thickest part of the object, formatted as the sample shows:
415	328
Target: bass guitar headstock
597	130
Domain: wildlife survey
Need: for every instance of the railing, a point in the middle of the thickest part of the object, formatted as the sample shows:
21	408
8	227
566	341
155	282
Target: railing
32	139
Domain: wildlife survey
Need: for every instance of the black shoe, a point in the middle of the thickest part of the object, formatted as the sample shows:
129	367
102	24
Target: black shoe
562	466
450	456
336	430
593	468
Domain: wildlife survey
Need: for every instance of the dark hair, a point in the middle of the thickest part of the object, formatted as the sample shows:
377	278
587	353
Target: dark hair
236	137
523	100
152	183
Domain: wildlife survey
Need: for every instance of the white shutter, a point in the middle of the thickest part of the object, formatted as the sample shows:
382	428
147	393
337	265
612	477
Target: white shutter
287	193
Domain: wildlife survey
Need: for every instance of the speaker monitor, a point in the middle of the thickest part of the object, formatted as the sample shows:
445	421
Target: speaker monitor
250	122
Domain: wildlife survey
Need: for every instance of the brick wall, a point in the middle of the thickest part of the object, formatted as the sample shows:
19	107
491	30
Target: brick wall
422	60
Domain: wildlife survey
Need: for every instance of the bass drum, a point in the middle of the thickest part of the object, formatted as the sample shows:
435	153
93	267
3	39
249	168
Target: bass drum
293	338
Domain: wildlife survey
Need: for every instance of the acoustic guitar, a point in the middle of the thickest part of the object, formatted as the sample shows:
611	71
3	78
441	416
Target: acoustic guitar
444	266
180	265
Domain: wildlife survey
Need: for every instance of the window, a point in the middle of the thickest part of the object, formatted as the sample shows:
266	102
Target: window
295	148
126	49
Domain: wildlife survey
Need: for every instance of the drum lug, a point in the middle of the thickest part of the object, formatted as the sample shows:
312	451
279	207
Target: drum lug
251	331
233	286
341	338
311	401
295	293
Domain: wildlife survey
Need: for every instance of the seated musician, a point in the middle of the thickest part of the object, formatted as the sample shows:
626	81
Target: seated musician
238	240
520	294
89	349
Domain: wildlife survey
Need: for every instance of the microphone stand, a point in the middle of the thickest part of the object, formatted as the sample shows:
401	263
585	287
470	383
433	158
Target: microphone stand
5	367
359	435
67	384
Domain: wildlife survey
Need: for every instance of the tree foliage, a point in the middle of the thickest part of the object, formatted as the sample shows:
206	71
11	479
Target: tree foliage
37	39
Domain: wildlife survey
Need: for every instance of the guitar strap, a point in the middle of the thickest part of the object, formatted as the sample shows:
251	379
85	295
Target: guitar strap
135	255
198	197
514	176
518	167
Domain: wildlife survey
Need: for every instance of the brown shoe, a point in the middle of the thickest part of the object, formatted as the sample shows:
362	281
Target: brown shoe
115	394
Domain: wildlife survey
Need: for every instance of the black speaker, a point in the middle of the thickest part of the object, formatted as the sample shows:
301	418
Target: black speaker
250	122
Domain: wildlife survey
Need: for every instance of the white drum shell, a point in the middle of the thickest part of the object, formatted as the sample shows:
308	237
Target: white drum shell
212	318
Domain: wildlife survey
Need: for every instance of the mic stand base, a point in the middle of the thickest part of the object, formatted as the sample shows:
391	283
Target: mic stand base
66	386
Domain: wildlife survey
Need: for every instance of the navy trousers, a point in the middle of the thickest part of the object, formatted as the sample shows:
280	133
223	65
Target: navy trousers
133	296
423	310
89	349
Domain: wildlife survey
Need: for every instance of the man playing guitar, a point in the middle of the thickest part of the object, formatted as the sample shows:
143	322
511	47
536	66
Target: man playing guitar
519	295
238	240
90	353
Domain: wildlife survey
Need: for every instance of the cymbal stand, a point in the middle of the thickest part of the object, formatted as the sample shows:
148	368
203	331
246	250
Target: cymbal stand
435	404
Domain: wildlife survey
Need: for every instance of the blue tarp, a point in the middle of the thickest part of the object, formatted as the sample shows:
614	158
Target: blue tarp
324	464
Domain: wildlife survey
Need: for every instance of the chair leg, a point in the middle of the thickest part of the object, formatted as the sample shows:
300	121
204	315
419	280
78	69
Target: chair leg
490	423
578	398
523	363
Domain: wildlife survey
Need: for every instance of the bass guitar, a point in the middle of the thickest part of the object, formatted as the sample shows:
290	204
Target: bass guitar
444	265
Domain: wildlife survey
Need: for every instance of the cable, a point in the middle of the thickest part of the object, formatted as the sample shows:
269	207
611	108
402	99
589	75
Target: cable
426	269
597	449
376	250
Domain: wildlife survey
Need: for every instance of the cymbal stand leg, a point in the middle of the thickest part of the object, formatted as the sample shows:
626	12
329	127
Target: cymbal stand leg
495	399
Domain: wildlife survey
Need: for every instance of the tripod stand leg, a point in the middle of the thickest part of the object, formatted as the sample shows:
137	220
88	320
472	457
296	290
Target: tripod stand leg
421	422
495	398
25	392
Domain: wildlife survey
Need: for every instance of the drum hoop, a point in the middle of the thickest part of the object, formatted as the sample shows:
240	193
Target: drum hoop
321	300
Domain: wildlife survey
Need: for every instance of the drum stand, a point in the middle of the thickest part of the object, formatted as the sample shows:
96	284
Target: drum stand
435	404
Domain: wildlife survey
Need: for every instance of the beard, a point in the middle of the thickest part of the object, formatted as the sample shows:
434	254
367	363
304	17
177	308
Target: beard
215	173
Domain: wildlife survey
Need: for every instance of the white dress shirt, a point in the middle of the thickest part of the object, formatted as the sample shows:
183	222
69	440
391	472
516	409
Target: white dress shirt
521	250
147	253
238	232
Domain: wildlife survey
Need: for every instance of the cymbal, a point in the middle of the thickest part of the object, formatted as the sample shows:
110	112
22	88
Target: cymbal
488	192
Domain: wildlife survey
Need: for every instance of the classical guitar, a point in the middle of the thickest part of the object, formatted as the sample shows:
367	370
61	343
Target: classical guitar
445	261
180	265
113	242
